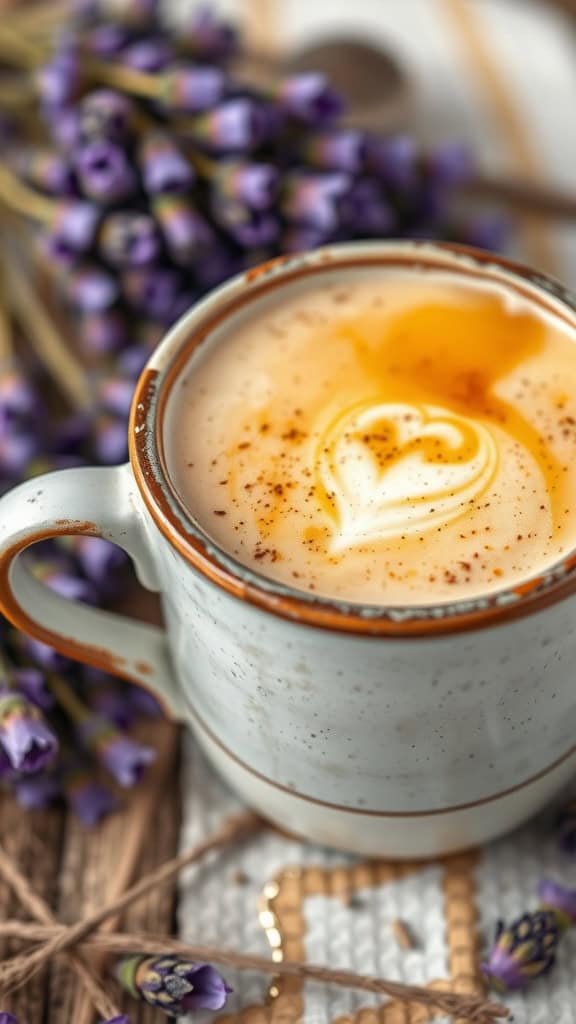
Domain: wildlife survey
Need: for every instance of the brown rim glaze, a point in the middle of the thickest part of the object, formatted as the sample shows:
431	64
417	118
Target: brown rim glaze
174	521
200	724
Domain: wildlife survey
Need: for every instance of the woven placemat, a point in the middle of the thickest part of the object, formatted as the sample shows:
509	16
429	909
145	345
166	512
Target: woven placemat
305	902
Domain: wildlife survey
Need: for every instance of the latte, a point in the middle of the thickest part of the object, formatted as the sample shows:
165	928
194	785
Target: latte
385	436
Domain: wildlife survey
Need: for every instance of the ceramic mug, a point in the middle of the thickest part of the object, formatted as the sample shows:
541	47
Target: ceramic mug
397	732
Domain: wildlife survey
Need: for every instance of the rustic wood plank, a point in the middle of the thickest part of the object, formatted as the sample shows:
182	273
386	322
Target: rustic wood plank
33	840
94	868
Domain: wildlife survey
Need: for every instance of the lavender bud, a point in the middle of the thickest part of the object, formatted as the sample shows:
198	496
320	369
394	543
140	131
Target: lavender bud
35	793
154	292
32	683
394	160
132	361
123	757
16	452
107	40
104	172
25	738
91	289
100	560
115	395
206	37
193	89
172	985
250	228
74	223
18	403
59	81
164	167
43	655
523	951
8	1018
143	702
302	238
70	434
338	150
129	239
187	233
314	199
255	185
71	587
486	231
63	123
450	163
150	55
365	211
122	1019
46	170
559	900
310	98
111	703
103	332
88	799
110	440
217	264
236	125
106	114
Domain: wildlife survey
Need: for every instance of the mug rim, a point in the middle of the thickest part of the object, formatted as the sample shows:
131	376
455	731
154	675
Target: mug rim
183	532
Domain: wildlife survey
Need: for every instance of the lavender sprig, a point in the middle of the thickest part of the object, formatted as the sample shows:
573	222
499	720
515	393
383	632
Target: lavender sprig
172	985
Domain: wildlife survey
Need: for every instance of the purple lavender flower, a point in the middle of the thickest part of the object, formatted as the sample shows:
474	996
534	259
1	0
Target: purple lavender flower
154	292
32	683
394	160
104	172
172	985
193	89
43	654
151	54
36	792
18	402
132	361
88	799
186	231
122	1019
559	900
365	211
217	264
74	223
70	434
314	198
46	170
164	167
110	440
486	231
302	238
59	81
253	184
341	149
123	757
207	37
250	228
25	738
102	332
105	114
115	395
91	289
450	163
112	703
8	1018
143	701
107	40
236	125
310	98
71	587
16	452
63	123
523	951
129	239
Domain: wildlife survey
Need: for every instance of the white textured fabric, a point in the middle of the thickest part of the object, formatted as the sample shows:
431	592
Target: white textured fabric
536	54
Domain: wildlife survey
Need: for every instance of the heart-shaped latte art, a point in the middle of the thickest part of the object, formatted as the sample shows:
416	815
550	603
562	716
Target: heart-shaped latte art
387	469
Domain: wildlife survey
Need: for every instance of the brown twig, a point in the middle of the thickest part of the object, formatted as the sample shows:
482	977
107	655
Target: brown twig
469	1007
36	906
19	970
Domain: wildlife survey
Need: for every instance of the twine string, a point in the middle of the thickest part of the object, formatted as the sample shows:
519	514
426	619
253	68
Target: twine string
19	970
36	906
472	1007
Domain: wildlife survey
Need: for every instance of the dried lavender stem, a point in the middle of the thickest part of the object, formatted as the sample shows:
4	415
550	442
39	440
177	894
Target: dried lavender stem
472	1007
45	338
68	699
138	83
18	971
15	46
6	355
22	199
36	906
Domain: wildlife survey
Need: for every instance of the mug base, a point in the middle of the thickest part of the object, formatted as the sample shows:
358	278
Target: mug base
395	836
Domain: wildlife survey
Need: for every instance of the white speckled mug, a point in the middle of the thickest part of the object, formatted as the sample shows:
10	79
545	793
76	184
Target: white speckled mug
386	731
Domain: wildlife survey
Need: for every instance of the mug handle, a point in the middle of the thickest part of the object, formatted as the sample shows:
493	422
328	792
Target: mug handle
96	502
